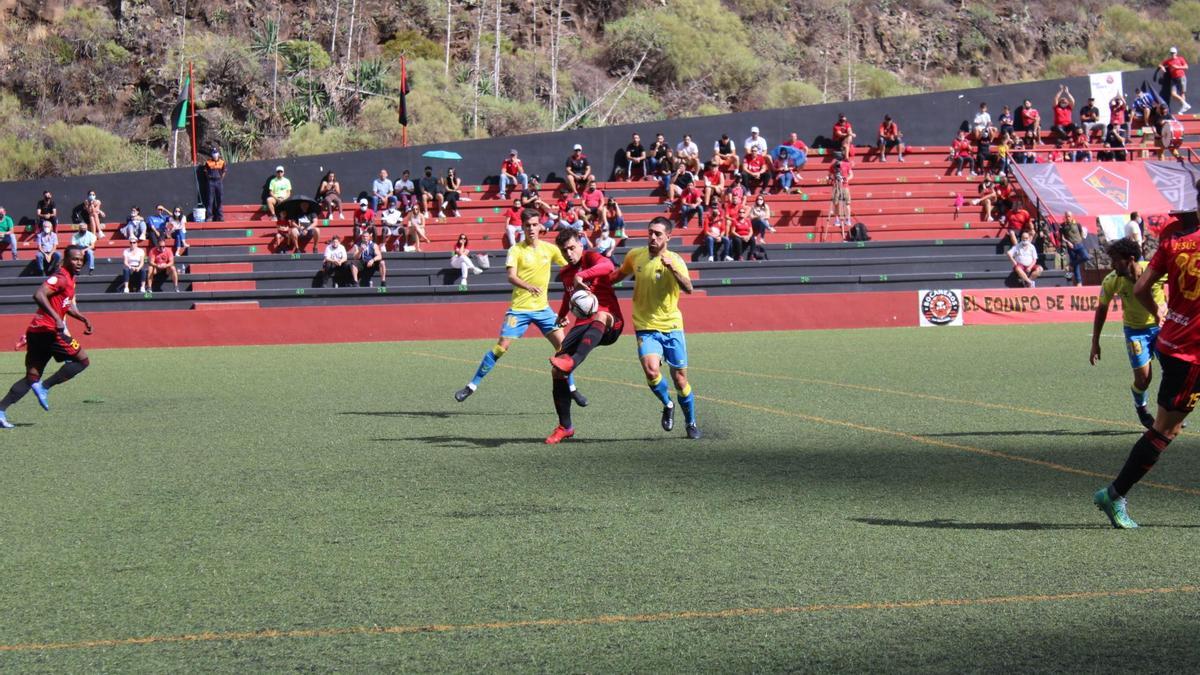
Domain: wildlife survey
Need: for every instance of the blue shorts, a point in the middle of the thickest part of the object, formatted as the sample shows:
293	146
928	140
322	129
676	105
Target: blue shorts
1139	342
670	347
516	321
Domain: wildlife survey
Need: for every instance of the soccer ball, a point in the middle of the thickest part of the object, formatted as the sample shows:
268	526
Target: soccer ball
584	303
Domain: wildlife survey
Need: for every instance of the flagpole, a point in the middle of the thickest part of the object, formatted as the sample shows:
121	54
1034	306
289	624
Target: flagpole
192	109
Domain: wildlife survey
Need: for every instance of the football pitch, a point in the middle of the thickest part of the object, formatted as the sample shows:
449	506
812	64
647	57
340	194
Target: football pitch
899	499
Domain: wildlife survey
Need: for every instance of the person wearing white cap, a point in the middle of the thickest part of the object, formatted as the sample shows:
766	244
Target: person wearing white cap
579	170
1174	69
754	140
278	190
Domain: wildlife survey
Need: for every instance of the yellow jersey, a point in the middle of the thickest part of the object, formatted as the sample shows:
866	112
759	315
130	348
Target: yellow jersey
655	290
1135	315
532	264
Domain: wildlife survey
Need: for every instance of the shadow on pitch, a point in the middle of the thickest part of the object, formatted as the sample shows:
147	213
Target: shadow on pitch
1028	432
1021	526
436	414
476	442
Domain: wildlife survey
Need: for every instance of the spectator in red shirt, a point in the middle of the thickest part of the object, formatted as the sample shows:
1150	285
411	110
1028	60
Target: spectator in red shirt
843	136
1079	144
1018	221
1031	123
691	204
757	170
1118	113
962	154
794	141
593	198
714	181
512	171
1174	69
890	137
1064	113
741	234
162	261
364	220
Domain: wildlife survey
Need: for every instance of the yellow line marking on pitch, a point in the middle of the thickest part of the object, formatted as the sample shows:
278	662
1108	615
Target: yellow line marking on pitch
901	392
926	440
603	620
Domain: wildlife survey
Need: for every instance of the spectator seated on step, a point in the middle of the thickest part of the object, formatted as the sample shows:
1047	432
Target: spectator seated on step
405	190
1002	151
981	122
1080	148
364	220
756	170
676	182
329	195
613	220
391	224
1168	132
162	263
1140	110
335	265
156	224
531	197
716	239
1064	114
1114	144
785	170
90	211
1018	221
1030	122
47	210
890	138
367	261
431	193
381	189
279	190
985	157
605	244
134	271
134	227
512	172
691	204
462	260
1024	259
741	235
1119	113
286	237
177	231
713	181
1020	155
304	222
754	140
417	219
843	136
962	153
1089	116
453	185
1006	123
688	153
760	218
7	236
725	155
592	198
48	257
635	157
578	170
86	240
658	153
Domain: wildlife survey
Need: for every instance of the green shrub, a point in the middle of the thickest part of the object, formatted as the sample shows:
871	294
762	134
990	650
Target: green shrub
84	149
954	82
20	158
303	55
872	82
503	117
1067	64
791	94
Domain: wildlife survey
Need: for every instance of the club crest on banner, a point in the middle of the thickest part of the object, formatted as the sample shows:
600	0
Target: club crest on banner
1113	186
940	307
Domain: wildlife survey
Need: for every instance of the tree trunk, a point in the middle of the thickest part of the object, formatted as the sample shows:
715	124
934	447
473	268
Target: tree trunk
476	71
449	29
496	54
350	41
337	8
555	32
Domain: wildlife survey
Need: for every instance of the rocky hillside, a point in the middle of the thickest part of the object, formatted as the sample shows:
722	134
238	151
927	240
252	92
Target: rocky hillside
88	87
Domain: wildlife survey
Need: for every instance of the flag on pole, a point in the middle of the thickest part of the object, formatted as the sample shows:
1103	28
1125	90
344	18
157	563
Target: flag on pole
179	114
403	93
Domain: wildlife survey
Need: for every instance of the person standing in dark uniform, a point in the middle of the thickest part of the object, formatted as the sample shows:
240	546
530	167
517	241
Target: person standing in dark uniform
214	172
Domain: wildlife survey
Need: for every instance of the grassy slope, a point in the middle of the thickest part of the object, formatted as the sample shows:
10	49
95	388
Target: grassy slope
338	486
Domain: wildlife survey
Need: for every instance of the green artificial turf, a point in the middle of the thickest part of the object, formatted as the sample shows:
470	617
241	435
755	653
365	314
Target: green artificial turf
848	482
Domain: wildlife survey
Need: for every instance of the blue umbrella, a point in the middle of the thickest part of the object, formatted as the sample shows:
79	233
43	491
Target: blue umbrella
795	154
441	154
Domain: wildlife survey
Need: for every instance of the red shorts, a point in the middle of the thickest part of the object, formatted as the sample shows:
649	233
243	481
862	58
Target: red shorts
41	347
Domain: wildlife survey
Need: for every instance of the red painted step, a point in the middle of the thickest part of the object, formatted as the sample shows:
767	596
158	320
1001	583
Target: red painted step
224	286
221	306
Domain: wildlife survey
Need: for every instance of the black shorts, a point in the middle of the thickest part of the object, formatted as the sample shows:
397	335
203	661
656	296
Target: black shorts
575	335
1180	386
41	347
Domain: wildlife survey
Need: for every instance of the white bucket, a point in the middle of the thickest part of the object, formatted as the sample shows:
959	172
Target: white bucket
199	214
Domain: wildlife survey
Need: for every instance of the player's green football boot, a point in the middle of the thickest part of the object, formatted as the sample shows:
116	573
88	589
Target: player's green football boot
1114	509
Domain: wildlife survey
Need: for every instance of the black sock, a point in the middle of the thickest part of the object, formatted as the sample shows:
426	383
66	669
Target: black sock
18	390
590	340
562	402
70	369
1141	459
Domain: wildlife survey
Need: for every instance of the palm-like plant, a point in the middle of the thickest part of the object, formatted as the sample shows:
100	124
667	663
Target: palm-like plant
265	44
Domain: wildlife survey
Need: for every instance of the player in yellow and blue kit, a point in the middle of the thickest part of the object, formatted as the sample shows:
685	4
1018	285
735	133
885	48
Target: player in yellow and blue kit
659	275
528	266
1141	327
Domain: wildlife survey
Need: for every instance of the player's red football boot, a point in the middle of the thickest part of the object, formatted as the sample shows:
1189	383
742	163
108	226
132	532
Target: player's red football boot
559	435
563	362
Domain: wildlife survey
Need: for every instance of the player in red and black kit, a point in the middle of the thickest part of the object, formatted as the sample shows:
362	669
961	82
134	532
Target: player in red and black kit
1178	345
48	337
586	270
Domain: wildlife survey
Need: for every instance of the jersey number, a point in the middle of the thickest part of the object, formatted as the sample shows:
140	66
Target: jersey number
1189	274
